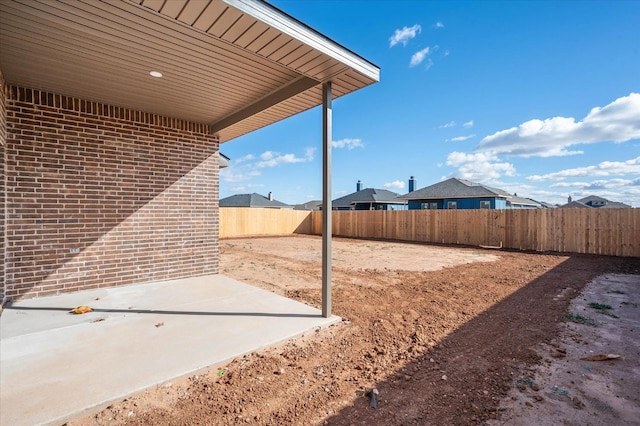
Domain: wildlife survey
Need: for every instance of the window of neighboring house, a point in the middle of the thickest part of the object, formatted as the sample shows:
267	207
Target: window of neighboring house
485	204
452	205
429	206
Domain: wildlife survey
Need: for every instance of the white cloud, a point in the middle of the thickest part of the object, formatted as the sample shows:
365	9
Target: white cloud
599	184
462	138
438	25
273	159
247	188
615	122
309	153
446	52
348	143
404	35
569	185
479	166
251	169
419	56
429	64
267	155
468	124
606	168
247	157
396	184
609	184
447	125
229	174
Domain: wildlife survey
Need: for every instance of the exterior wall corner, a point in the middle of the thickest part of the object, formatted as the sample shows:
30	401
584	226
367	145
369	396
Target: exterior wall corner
100	196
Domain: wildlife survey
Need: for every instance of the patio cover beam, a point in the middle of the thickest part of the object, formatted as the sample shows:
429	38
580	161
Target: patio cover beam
294	87
326	199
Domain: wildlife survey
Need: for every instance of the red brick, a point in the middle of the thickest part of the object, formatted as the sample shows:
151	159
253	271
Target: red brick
135	193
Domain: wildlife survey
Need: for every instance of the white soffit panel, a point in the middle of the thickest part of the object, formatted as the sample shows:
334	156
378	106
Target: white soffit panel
237	65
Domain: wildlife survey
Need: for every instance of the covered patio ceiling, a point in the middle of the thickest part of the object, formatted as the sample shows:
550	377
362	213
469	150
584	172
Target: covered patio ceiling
237	65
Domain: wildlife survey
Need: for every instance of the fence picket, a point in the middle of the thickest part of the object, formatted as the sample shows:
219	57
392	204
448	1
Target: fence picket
613	232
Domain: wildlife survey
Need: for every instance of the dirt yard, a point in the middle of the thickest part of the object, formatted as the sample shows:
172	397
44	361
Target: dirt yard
446	336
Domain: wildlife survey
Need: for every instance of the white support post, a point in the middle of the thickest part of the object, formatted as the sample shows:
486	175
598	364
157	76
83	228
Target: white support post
326	199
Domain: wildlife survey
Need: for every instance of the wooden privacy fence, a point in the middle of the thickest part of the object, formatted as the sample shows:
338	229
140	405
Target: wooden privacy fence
613	232
245	221
594	231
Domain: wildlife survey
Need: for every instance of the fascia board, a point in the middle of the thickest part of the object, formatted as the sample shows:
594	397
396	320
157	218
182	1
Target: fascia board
294	28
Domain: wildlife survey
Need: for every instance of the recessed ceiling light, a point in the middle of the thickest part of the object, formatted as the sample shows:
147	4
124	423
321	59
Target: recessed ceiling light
155	74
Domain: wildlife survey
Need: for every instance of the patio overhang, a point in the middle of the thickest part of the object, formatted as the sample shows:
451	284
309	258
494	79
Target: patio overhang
237	65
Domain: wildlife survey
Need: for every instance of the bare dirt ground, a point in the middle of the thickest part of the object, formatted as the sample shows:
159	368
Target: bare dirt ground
446	335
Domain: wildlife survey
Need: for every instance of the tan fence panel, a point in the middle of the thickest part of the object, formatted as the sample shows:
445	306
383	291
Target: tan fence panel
593	231
245	221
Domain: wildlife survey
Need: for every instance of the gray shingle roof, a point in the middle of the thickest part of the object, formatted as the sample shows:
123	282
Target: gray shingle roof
608	203
575	204
545	204
309	205
523	201
455	187
368	195
250	200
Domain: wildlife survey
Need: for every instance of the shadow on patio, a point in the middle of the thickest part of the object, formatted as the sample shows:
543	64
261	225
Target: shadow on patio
55	365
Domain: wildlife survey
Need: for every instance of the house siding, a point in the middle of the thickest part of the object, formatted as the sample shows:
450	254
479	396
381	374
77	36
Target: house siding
376	206
461	203
102	196
501	203
520	206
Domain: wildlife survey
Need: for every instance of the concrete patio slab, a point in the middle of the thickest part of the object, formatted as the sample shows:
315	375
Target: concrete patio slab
54	365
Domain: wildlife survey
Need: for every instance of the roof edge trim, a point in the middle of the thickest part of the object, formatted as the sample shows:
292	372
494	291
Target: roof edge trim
296	29
404	197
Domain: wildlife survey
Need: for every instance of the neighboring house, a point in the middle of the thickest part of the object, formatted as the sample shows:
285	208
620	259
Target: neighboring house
458	193
313	205
253	200
593	201
545	205
573	204
369	199
515	202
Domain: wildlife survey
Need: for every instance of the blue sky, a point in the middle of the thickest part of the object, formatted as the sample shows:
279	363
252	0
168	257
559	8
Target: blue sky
539	98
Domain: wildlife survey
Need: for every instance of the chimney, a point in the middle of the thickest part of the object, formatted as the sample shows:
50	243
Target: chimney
270	196
569	199
359	186
412	184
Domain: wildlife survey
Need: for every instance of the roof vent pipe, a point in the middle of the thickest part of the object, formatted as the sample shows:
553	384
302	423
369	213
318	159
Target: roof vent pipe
270	196
359	186
412	184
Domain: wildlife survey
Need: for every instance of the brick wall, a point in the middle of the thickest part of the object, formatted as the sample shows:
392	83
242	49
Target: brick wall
3	137
103	196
